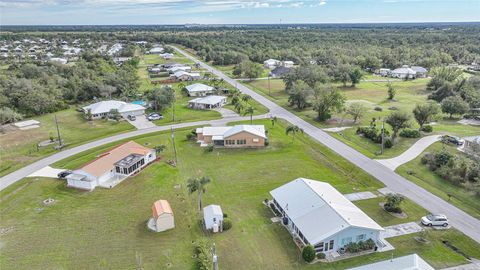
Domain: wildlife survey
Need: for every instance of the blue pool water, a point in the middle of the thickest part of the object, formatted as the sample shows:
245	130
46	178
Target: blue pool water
138	102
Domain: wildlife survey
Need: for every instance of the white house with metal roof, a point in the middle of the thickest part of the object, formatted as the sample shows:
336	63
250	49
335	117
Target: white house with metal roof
199	90
208	102
409	262
103	108
319	215
403	73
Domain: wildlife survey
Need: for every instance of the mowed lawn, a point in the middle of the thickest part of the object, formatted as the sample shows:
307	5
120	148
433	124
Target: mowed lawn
371	94
18	148
461	196
106	229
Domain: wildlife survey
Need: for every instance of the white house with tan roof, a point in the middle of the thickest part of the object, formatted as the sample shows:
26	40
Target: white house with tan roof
317	214
238	136
162	217
112	167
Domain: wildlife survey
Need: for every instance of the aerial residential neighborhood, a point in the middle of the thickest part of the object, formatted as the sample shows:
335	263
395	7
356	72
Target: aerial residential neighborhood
215	135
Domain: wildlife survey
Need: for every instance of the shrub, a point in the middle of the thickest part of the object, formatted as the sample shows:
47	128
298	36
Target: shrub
393	108
308	253
225	215
190	136
352	247
360	246
227	224
410	133
321	256
209	148
393	202
427	128
203	259
387	143
267	142
378	109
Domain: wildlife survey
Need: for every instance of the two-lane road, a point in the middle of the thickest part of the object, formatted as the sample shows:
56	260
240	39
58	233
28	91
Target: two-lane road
458	218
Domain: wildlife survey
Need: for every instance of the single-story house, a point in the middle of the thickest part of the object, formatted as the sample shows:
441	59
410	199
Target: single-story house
162	217
238	136
112	167
420	72
199	90
181	75
4	50
155	70
384	72
166	55
471	145
156	50
318	215
171	65
213	217
178	68
62	61
279	71
408	262
208	102
103	108
271	63
403	73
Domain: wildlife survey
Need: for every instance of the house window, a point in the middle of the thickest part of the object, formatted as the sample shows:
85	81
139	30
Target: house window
229	142
241	142
331	245
255	140
346	241
319	246
360	237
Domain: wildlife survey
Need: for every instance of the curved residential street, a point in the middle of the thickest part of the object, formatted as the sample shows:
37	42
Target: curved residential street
459	219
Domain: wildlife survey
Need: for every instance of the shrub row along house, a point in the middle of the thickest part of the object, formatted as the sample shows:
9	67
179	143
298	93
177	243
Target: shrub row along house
112	167
239	136
317	214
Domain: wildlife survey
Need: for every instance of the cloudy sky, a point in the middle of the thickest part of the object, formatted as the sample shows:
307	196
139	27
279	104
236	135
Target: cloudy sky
41	12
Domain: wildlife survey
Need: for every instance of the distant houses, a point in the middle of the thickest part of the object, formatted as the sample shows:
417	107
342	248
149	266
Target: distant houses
404	72
112	166
316	214
238	136
471	145
156	50
208	102
162	217
273	63
199	90
103	109
181	75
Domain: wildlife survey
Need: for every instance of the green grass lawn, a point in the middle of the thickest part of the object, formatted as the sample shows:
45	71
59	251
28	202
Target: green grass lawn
18	148
106	228
371	94
462	197
228	70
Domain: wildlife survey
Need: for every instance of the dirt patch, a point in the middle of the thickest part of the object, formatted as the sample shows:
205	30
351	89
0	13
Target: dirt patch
339	121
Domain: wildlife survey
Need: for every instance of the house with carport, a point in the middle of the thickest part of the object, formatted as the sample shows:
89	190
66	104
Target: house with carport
207	103
316	214
103	109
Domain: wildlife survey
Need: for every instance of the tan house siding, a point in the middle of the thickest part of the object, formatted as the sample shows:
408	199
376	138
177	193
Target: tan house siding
250	140
200	136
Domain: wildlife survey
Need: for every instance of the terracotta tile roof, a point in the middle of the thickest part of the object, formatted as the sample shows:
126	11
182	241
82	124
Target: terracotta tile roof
161	207
105	162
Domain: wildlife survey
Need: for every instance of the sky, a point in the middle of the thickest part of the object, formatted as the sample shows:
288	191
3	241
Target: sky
107	12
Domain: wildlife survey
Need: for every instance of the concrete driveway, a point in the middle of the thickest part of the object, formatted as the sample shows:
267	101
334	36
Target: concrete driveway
411	153
141	122
46	172
401	229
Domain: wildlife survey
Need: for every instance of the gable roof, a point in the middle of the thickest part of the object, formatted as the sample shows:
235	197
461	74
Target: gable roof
419	69
409	262
105	161
307	201
161	207
404	70
198	87
212	210
258	130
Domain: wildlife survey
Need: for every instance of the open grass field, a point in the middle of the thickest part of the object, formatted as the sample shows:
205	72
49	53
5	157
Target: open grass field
106	229
418	173
371	94
228	70
19	147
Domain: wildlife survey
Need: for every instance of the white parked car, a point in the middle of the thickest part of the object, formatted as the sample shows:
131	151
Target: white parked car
435	220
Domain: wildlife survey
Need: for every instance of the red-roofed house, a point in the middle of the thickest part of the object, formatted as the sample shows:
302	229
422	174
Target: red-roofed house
162	217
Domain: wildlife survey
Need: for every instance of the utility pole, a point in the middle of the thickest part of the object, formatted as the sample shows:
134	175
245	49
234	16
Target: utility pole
174	147
58	132
383	133
214	258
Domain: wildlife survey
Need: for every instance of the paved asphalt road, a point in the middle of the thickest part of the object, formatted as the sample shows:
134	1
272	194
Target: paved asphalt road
458	218
18	175
461	220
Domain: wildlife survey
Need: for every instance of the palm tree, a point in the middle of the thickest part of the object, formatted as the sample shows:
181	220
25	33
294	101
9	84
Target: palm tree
198	185
274	120
294	130
246	98
159	148
239	106
249	110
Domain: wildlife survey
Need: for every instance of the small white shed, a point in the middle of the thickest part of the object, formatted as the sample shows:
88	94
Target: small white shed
212	217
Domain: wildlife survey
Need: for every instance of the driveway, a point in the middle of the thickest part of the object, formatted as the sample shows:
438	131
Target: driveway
226	113
46	172
401	229
458	218
141	122
416	149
